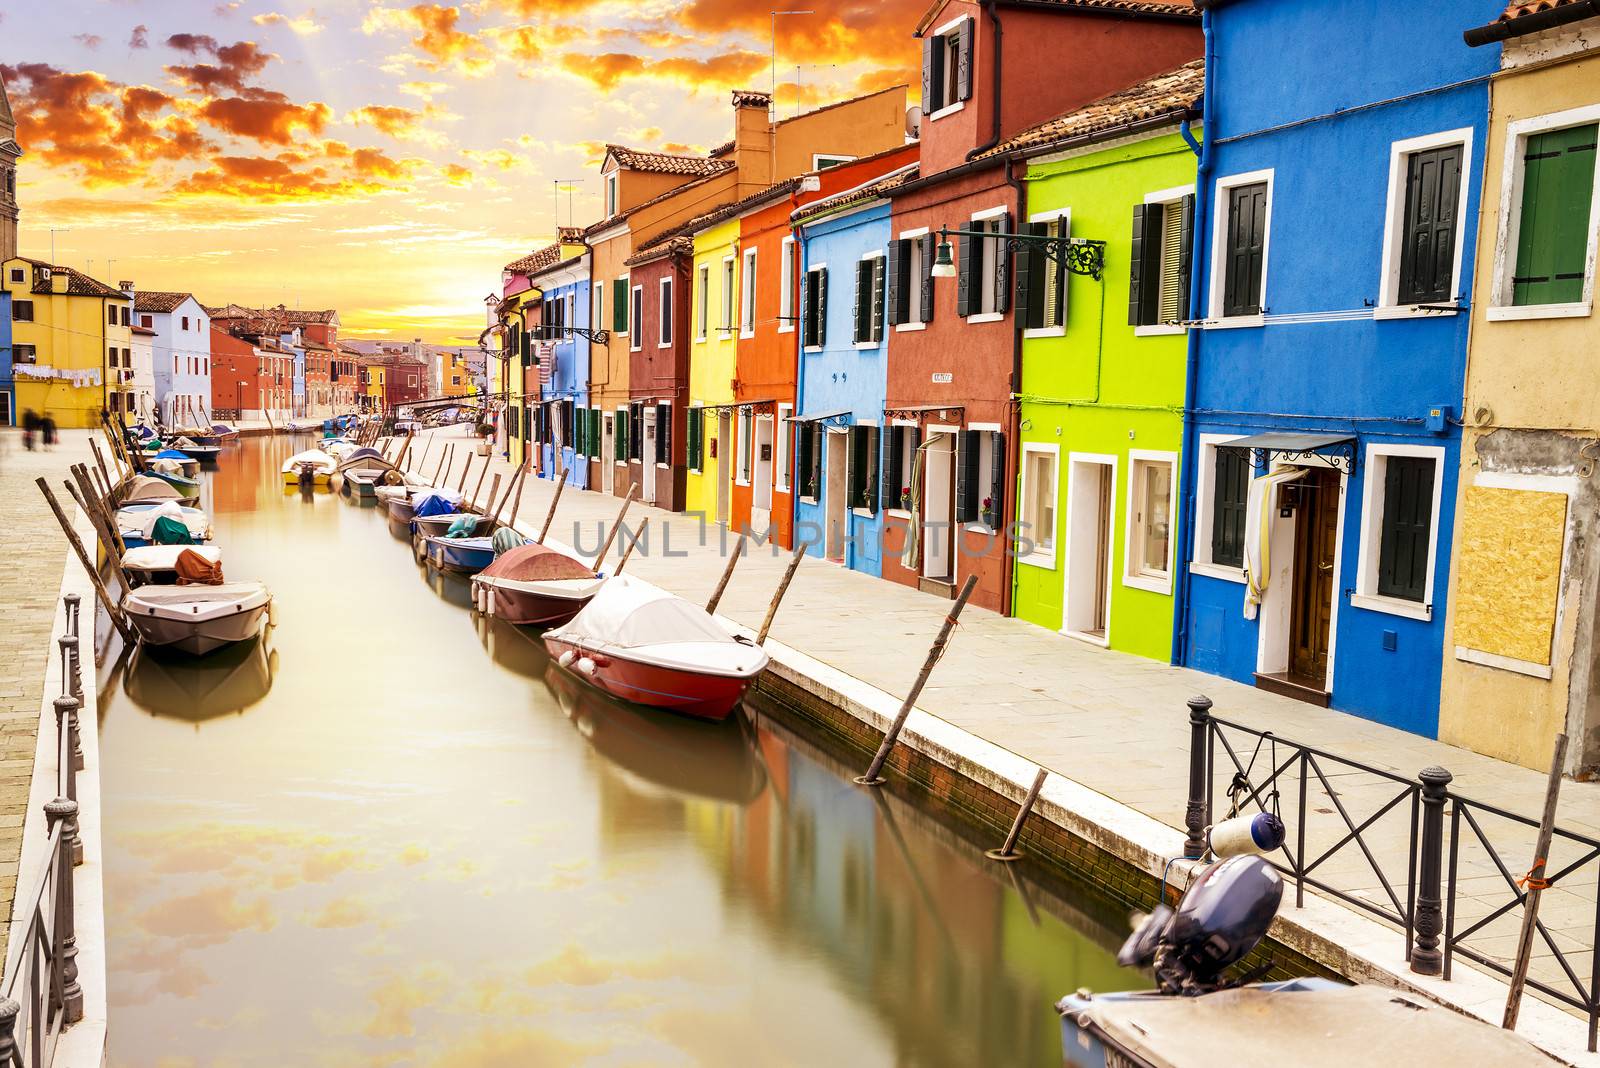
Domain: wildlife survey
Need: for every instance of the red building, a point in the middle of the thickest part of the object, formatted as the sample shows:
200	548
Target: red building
658	369
990	71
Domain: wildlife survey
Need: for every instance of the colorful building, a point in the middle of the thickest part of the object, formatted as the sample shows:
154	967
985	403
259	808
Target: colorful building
1519	639
10	152
1334	254
8	388
720	311
1103	362
658	278
182	356
565	427
65	328
519	313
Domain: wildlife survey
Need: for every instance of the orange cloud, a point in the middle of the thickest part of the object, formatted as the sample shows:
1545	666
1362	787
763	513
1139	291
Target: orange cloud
259	178
387	119
456	174
847	31
265	116
610	69
435	32
235	63
304	26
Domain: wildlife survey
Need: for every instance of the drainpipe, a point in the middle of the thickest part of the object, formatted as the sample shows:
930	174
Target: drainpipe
1201	250
992	7
1013	408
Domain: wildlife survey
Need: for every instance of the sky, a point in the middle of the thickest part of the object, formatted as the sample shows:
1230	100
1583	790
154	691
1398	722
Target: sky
382	159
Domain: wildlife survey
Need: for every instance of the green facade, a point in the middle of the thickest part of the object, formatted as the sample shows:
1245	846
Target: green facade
1105	398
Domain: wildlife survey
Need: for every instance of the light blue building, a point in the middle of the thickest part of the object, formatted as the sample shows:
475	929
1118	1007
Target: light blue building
842	378
567	430
1334	255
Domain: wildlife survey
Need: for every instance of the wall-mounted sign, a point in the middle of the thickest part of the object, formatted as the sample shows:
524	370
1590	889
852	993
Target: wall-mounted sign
941	378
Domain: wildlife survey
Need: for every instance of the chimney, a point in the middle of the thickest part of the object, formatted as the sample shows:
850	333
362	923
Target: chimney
569	235
752	139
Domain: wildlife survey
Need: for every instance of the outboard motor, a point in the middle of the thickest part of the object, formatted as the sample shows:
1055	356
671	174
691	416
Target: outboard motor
1222	917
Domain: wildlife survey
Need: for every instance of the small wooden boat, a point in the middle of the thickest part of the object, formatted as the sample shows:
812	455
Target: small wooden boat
423	502
464	556
223	433
144	489
205	449
361	472
157	565
173	460
169	472
302	426
312	465
136	521
644	645
198	619
437	526
535	585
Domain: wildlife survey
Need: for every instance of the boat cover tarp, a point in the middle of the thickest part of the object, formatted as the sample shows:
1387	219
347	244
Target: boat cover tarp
195	570
434	503
168	467
143	488
630	613
169	531
462	526
319	461
505	539
362	453
1324	1027
222	428
536	563
172	454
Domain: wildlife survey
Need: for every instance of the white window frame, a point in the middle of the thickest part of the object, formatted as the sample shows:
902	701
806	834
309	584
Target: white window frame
613	190
1138	461
815	268
784	428
1375	467
747	295
836	160
957	105
985	217
1046	558
596	311
636	318
664	323
1505	255
875	254
728	287
1389	306
1166	197
1219	233
920	321
786	294
1065	216
1201	561
702	303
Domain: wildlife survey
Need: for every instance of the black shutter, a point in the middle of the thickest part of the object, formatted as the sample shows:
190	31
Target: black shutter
967	478
802	462
964	60
1033	276
822	306
965	261
929	254
692	439
621	439
1185	254
1144	266
997	480
863	313
931	69
889	474
663	433
1428	249
898	294
1246	248
875	320
1002	267
1229	498
808	329
636	431
1407	523
872	469
816	460
858	467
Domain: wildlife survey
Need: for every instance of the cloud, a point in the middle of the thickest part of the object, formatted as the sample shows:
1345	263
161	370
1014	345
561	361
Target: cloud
342	912
456	174
236	63
423	90
140	37
610	69
88	40
435	31
397	122
271	180
265	116
207	917
304	26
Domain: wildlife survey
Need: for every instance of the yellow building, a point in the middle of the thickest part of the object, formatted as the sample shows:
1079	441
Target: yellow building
716	319
72	340
372	386
455	380
1521	649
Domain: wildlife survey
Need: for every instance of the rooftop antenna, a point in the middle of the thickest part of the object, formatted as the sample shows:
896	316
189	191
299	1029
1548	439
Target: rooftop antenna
54	230
568	186
772	106
798	67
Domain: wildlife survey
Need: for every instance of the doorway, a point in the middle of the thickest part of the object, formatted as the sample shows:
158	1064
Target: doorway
939	506
761	480
1091	496
608	451
1316	539
836	467
647	457
724	453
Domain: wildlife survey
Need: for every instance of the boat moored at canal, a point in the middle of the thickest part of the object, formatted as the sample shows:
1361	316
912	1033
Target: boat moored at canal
312	466
535	585
198	619
157	565
136	522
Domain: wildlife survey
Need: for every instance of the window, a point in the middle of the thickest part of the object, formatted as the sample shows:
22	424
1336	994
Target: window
597	319
22	311
808	460
619	306
1554	227
1042	281
663	433
983	273
747	299
786	288
869	300
1160	262
727	295
780	458
125	316
899	461
980	478
910	280
612	202
666	313
17	274
636	326
24	354
624	448
185	322
746	445
947	67
696	432
863	473
111	315
821	162
1037	504
1225	488
1399	529
702	289
1148	553
1240	269
814	308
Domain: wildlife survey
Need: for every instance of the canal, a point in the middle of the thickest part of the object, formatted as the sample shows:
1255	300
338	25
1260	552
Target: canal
393	833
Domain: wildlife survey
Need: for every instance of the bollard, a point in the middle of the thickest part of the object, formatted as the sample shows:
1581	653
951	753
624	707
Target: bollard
1194	815
72	601
1008	851
9	1011
65	812
1426	958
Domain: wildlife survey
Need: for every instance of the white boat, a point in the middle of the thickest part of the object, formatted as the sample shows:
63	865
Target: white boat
313	464
157	565
198	619
301	426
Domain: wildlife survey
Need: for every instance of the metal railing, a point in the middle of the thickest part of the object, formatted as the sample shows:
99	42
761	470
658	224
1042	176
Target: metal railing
1343	816
40	996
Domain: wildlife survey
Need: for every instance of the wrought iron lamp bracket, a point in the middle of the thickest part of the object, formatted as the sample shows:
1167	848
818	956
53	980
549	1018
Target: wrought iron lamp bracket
567	333
1079	255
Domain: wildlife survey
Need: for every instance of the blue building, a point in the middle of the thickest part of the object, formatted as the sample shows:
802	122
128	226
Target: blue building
843	377
8	389
1334	240
566	426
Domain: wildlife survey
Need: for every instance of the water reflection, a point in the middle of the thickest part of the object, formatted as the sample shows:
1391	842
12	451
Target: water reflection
421	846
225	683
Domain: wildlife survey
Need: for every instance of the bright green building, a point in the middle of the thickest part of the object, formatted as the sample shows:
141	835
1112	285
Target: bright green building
1103	366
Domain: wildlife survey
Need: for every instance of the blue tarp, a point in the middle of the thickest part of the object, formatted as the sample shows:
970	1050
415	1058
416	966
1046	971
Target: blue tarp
172	454
433	504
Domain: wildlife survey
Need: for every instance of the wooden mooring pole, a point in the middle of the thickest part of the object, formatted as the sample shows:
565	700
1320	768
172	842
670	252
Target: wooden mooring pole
112	608
783	587
606	548
633	539
727	573
1008	851
1536	882
465	471
494	488
549	516
872	777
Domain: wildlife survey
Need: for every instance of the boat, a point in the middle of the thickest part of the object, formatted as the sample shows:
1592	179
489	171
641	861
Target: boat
644	645
199	618
170	472
145	489
205	448
534	585
464	556
136	522
362	471
223	432
426	500
172	459
302	426
437	526
157	565
313	465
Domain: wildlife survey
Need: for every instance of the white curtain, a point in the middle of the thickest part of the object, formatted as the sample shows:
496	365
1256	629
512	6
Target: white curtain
1258	532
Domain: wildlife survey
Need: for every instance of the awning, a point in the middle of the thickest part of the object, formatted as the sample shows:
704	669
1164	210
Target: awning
820	417
1339	450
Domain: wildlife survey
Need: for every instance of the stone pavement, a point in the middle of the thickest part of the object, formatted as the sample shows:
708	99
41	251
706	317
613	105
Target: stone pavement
29	584
1113	722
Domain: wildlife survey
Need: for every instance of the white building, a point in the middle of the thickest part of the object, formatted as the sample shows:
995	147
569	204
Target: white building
182	355
139	381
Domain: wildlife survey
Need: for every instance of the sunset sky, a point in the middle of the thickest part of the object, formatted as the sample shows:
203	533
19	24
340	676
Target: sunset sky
382	159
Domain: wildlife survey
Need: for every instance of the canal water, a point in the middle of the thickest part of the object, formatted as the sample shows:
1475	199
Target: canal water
392	833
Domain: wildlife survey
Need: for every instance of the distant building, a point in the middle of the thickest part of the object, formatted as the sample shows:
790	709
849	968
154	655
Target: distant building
9	154
181	355
66	329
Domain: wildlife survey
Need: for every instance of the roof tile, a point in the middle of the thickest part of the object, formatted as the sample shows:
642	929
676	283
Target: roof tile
160	303
1172	93
663	163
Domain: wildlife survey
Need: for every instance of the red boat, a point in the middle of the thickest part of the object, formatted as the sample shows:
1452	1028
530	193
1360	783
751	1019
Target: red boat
646	646
534	585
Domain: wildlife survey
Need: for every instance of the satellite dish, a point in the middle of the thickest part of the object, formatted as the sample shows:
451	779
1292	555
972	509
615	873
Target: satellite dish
914	121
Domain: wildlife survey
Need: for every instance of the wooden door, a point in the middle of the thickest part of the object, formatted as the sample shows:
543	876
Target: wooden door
1316	534
1102	549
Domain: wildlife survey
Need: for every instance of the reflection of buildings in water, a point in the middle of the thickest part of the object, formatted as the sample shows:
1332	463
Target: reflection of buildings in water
223	683
241	489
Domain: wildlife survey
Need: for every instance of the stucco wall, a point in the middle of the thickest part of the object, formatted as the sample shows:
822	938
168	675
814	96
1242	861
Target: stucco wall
712	356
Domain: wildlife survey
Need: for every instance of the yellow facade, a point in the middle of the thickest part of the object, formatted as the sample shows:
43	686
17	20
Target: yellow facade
72	336
374	388
1520	642
713	349
455	380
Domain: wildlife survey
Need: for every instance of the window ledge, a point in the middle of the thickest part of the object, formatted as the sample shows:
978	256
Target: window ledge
1147	582
1539	311
898	513
985	317
978	528
906	328
741	481
701	340
1412	311
743	336
948	109
863	513
662	466
1236	322
1504	663
1159	330
663	344
1394	606
1044	331
784	328
861	346
809	500
1047	561
813	348
1218	571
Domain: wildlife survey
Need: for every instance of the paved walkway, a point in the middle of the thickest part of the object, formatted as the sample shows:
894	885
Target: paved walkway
29	584
1113	722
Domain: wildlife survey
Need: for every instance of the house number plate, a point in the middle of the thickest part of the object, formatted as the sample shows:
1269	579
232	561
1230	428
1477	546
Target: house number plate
943	377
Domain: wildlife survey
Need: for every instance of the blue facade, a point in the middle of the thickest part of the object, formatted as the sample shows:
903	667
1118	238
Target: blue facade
569	376
1329	113
842	377
7	376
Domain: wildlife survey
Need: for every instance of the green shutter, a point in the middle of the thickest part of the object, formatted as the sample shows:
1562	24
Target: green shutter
1144	266
898	290
622	435
1002	266
694	428
1185	255
1033	276
1428	226
822	307
863	314
1553	236
1407	526
879	298
619	306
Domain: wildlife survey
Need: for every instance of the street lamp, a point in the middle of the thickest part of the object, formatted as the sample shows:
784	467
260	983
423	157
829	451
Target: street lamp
1076	255
944	263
